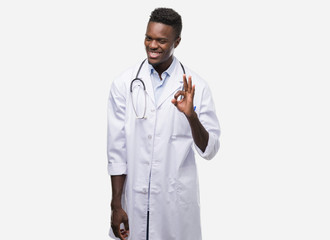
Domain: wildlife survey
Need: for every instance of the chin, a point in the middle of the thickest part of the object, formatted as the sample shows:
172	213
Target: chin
153	61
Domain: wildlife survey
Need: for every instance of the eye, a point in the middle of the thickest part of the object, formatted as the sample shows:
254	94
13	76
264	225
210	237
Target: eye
148	38
162	41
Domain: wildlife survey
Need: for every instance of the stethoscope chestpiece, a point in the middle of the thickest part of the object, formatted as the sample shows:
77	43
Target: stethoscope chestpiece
142	118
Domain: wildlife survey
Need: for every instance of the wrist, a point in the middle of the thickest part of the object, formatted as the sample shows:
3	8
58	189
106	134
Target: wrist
115	204
192	116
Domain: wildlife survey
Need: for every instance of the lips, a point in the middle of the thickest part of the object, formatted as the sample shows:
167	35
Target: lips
153	54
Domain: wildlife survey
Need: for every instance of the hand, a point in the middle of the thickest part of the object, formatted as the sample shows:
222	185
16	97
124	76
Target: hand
119	216
186	104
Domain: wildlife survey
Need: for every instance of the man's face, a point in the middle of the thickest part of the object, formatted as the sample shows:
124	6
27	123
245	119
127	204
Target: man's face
160	42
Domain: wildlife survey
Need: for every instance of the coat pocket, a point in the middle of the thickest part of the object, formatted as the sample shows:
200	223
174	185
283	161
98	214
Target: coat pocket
188	193
181	127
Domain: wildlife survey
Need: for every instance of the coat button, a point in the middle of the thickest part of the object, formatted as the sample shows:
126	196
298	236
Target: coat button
149	137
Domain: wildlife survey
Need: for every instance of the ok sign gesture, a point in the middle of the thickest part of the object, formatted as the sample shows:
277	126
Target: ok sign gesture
186	103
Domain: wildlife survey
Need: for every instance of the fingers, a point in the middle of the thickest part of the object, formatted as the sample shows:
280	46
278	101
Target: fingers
179	93
188	90
174	101
189	84
120	233
119	216
126	225
115	230
123	234
193	91
185	84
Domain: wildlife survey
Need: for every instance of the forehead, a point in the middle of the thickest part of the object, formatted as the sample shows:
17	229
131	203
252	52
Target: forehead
159	30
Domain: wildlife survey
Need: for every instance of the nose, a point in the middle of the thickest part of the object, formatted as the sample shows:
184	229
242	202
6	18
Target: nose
153	44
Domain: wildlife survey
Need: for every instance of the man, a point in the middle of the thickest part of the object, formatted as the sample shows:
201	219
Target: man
151	135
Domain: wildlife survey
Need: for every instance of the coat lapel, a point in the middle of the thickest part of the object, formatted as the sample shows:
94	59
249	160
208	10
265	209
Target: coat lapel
174	84
145	76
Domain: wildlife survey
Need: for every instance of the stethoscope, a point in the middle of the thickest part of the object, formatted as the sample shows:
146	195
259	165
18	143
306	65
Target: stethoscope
144	90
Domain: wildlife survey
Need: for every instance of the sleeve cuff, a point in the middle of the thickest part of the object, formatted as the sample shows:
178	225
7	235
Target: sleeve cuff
117	168
211	148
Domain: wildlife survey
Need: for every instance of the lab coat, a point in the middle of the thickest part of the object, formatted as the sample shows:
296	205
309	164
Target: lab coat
157	155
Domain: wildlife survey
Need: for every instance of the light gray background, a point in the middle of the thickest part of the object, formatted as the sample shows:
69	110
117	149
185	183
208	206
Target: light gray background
267	63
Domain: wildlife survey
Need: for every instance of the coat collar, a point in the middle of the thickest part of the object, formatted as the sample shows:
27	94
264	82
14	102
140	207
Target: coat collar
175	83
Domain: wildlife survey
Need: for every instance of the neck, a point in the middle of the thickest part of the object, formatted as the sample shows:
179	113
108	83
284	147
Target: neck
160	68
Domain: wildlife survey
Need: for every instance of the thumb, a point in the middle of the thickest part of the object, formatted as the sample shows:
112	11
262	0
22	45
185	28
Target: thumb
174	101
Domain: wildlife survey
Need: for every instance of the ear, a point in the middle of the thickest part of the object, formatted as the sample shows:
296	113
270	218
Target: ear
177	41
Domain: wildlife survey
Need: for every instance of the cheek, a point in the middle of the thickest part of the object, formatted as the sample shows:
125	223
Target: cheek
169	50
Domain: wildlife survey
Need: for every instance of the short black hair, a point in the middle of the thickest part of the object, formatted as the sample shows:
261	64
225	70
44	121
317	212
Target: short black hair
169	17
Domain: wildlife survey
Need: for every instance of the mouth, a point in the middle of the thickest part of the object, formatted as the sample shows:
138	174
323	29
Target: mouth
153	54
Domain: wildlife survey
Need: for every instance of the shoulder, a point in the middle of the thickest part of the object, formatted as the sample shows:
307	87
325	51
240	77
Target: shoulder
124	78
126	75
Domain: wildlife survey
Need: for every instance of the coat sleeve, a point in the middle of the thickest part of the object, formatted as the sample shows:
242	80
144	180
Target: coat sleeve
209	120
116	141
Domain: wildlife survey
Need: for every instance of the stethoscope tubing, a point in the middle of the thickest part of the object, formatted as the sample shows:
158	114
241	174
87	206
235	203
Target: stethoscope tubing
144	89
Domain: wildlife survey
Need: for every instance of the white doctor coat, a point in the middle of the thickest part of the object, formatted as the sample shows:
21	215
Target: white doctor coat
157	155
